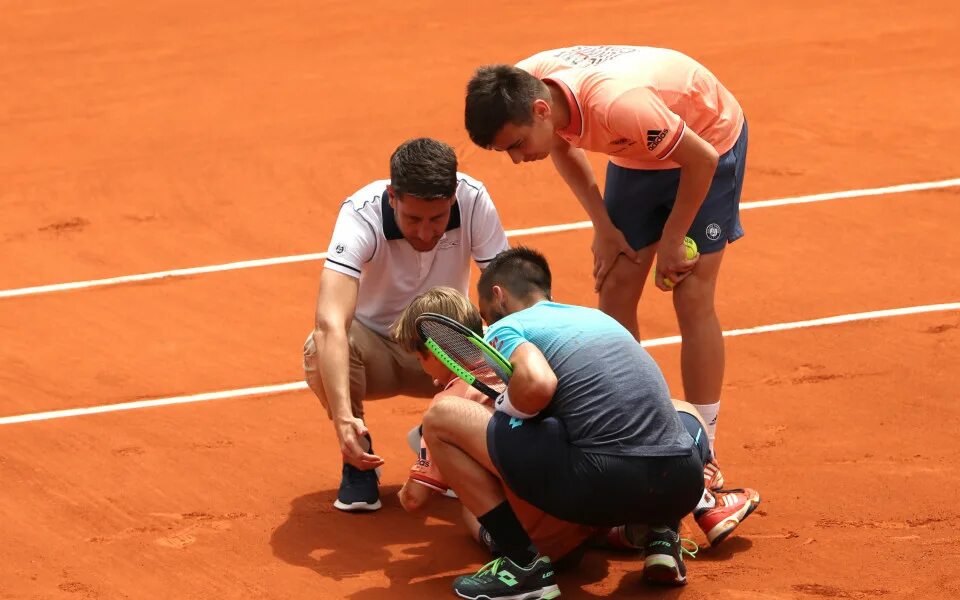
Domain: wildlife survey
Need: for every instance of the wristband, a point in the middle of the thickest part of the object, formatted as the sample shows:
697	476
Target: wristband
503	405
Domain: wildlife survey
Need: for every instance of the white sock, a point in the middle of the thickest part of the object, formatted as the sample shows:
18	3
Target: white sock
709	412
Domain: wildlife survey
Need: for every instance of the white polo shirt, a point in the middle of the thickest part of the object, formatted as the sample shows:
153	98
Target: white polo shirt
368	245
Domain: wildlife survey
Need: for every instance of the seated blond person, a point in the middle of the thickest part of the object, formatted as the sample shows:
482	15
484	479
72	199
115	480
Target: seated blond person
556	537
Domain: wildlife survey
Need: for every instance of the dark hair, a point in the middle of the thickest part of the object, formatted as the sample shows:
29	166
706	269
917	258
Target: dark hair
497	95
425	168
521	270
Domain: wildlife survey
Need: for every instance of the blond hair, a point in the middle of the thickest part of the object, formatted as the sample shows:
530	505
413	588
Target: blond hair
445	301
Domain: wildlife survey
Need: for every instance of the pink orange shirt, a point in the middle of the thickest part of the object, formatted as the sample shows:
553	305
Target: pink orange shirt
634	103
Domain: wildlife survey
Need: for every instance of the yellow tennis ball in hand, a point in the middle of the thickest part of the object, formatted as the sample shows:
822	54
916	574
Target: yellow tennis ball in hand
691	252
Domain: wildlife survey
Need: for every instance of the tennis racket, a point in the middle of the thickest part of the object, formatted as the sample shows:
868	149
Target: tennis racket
465	353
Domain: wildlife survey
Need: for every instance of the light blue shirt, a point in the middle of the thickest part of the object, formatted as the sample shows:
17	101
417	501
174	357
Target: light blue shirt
611	395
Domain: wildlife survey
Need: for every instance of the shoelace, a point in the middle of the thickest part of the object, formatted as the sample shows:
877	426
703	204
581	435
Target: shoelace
490	569
355	475
687	551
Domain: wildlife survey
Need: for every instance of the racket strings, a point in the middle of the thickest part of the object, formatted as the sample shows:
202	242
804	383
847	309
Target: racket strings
464	352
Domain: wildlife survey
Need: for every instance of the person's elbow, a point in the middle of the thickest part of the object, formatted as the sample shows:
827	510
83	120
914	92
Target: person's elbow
711	158
540	391
325	328
705	160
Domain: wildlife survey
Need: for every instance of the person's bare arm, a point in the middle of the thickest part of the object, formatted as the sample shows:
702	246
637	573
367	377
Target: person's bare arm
533	382
336	303
608	241
698	163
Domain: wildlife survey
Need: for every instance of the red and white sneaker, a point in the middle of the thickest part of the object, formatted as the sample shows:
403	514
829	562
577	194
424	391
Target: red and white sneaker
729	508
712	477
624	538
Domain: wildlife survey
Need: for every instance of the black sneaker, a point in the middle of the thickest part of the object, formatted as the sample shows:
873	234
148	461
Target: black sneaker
502	579
663	563
359	490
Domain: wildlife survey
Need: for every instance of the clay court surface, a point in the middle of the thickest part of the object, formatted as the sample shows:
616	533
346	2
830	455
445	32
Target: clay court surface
187	134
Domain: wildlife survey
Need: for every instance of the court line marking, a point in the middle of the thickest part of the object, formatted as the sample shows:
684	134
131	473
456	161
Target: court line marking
266	390
296	258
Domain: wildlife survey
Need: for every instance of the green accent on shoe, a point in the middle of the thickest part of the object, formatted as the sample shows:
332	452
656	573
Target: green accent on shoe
684	550
501	578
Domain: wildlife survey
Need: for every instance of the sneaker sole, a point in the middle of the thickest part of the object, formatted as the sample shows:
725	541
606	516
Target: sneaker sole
728	525
357	506
662	570
546	593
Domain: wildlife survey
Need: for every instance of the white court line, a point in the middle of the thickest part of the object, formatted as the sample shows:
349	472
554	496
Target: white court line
266	262
300	385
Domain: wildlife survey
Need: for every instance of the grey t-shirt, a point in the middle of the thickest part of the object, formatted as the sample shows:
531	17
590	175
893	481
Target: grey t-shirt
611	396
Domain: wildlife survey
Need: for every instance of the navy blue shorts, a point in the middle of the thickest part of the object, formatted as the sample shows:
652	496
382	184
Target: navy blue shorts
539	464
639	201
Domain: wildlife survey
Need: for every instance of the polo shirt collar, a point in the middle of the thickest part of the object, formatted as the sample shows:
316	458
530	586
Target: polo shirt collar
390	229
575	127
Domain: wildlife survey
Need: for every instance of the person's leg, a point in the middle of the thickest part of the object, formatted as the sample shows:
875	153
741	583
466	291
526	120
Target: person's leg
649	496
702	349
719	511
378	369
358	490
623	286
374	372
456	431
638	203
716	225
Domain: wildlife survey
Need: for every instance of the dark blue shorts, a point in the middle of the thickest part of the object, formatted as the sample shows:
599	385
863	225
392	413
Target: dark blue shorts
639	201
539	464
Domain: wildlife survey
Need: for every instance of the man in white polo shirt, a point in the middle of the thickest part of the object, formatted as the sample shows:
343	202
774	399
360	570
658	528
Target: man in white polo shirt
393	240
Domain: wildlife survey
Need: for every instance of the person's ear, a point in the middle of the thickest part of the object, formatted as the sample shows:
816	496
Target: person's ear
392	197
541	109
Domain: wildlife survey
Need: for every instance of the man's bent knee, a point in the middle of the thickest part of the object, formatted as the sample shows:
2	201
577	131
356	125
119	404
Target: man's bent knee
451	418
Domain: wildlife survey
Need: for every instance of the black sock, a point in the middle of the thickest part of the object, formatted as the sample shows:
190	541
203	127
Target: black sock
508	534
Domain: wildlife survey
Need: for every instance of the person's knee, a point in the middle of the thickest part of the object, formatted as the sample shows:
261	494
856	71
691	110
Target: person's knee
695	428
311	372
456	421
693	301
622	287
438	417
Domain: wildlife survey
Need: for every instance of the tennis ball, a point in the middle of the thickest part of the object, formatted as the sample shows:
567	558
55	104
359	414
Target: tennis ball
691	247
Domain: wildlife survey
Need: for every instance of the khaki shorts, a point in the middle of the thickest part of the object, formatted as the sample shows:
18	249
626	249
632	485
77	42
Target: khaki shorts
379	368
